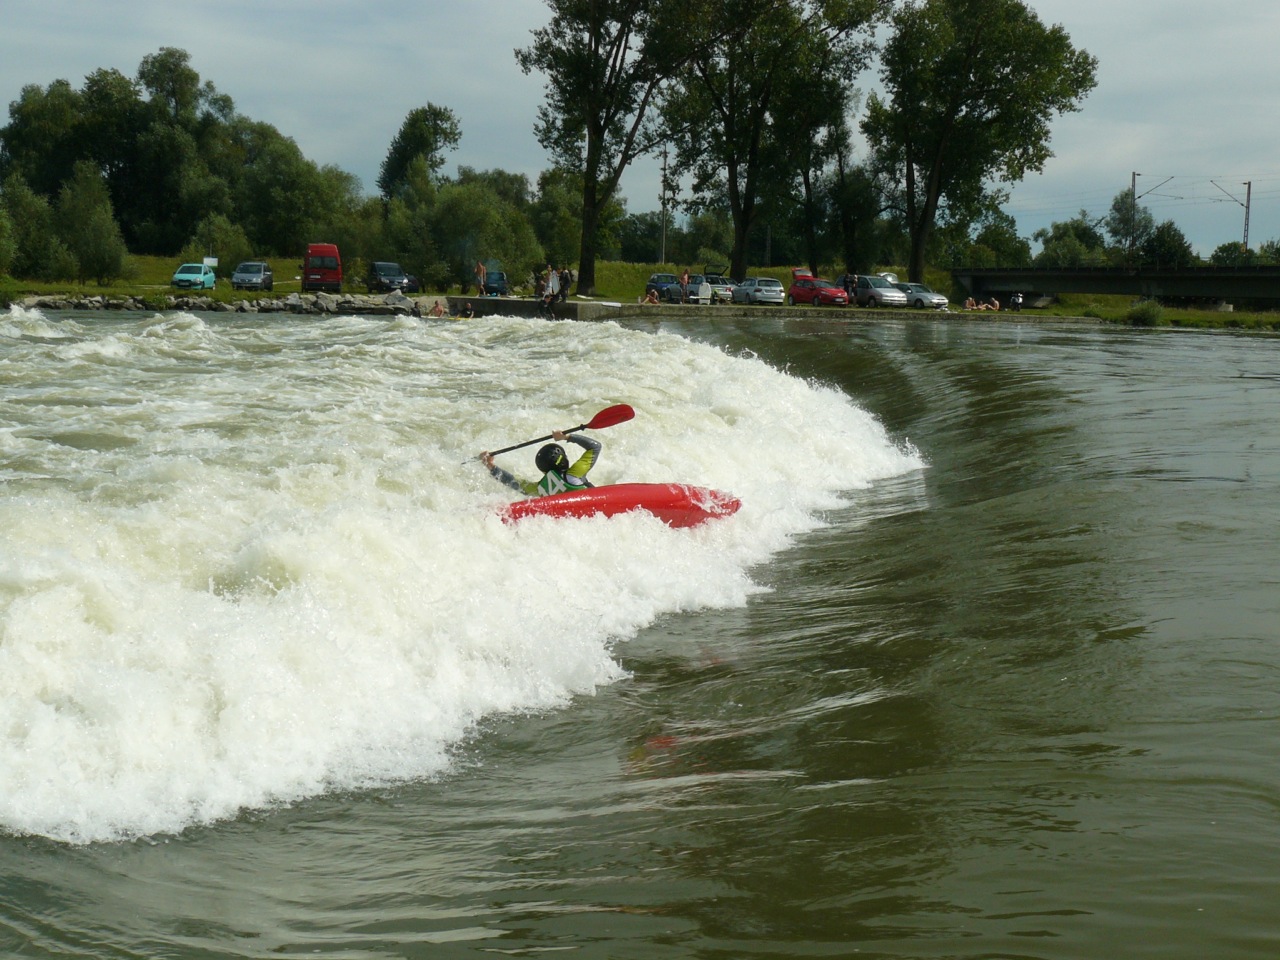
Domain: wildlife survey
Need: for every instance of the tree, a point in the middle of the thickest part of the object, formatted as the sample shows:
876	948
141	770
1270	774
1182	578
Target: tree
1000	237
971	87
42	140
1232	254
605	63
218	237
427	132
1166	245
86	224
470	222
8	243
1071	243
1128	224
38	254
759	105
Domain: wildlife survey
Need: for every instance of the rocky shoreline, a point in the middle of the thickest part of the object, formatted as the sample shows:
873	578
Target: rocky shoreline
390	304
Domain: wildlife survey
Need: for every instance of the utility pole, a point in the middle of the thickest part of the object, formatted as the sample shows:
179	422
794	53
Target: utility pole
1133	215
1248	197
662	198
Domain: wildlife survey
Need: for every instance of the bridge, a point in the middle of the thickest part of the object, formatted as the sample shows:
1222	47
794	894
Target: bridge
1211	283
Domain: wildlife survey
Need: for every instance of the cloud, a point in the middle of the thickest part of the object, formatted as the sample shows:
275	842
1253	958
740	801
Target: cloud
1183	90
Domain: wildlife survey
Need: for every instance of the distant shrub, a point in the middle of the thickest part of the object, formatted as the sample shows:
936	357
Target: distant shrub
1148	313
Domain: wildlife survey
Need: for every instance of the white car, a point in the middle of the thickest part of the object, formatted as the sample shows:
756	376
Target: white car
759	290
922	297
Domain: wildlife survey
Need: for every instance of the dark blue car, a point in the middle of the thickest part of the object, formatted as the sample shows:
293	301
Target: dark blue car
666	286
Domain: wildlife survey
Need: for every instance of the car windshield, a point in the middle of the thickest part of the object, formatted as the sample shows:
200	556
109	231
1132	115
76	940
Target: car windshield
189	268
823	283
878	282
695	278
769	283
249	268
663	278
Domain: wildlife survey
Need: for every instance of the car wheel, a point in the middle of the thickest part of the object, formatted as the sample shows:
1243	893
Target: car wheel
919	304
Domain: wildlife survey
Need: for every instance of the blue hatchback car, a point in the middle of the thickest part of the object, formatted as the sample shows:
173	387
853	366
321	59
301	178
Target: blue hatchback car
194	276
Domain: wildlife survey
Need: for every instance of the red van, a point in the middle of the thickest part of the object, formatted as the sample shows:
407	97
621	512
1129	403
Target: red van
322	269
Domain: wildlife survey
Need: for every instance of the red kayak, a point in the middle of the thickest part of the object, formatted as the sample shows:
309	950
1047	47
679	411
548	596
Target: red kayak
675	504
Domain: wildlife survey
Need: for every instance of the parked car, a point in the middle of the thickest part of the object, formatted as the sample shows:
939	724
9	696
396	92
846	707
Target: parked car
194	276
322	268
253	275
721	286
920	296
816	291
495	284
384	277
661	283
759	290
878	292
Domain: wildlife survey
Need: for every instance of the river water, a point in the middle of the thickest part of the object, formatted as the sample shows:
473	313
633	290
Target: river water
985	667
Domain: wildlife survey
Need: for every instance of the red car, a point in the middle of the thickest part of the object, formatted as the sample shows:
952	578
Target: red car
815	290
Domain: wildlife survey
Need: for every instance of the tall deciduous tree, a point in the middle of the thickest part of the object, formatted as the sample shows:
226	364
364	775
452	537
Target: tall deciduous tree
605	63
1128	224
1166	245
971	87
42	140
87	225
427	132
761	103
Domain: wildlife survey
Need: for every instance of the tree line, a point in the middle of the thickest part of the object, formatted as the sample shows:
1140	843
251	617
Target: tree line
754	102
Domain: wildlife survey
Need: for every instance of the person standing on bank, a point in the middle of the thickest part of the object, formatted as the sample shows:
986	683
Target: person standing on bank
481	276
558	475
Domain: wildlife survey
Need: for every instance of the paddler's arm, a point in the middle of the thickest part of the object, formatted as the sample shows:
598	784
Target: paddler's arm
588	460
506	479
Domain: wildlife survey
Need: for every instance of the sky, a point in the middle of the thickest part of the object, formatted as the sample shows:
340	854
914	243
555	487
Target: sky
1185	96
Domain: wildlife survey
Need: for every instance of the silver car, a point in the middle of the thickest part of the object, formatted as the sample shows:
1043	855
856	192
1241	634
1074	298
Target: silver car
922	297
253	275
759	290
878	292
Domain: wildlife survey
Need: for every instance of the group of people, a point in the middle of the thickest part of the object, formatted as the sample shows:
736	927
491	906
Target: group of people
551	286
438	311
991	303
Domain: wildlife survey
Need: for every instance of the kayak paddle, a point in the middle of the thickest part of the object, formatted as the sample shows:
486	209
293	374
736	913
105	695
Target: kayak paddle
608	417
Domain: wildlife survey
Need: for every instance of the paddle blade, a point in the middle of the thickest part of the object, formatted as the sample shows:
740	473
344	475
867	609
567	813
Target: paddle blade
609	416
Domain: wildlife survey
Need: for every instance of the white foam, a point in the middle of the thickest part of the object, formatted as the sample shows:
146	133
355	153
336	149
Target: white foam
248	565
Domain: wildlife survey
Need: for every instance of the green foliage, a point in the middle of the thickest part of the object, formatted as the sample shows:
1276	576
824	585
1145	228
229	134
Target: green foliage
971	87
1167	246
216	236
605	63
1147	313
87	226
1070	243
8	243
426	132
1129	225
1233	254
470	223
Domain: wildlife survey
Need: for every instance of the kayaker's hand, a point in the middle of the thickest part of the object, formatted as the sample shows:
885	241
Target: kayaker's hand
559	435
487	459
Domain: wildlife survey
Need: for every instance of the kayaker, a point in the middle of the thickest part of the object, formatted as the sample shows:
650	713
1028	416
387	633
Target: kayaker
558	475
